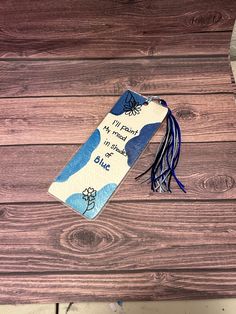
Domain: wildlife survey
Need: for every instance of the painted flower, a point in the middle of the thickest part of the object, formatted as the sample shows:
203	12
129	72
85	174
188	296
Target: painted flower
131	106
89	194
133	109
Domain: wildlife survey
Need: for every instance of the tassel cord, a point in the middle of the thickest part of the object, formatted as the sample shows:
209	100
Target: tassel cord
163	168
175	151
159	154
174	143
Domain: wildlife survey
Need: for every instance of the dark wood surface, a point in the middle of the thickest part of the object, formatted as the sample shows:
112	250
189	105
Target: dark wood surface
59	29
112	77
160	235
62	66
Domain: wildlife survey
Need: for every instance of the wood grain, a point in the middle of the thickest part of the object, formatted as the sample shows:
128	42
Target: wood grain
144	246
109	287
73	119
110	29
207	170
126	236
112	77
109	45
69	18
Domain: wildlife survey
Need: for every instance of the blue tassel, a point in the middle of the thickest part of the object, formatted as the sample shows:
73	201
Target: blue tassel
167	157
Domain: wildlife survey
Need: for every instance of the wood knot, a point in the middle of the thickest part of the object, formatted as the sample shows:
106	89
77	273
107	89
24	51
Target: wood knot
84	238
2	213
202	20
218	183
185	114
133	82
16	125
119	87
91	239
152	51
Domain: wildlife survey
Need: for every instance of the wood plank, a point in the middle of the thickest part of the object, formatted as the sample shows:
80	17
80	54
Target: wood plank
68	120
112	77
122	28
207	170
70	18
114	45
126	236
109	287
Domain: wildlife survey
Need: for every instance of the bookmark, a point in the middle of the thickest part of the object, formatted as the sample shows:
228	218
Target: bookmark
96	170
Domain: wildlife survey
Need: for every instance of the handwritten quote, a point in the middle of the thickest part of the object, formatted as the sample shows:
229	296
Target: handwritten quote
117	130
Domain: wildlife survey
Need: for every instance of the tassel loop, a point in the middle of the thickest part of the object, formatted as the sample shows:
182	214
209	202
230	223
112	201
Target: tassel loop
167	157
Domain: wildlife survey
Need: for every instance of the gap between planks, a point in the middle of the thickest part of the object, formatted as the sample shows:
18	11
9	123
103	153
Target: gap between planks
171	57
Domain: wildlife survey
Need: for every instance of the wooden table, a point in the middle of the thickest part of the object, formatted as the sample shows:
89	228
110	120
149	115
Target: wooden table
63	65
